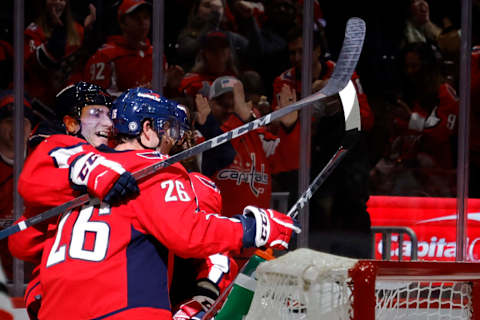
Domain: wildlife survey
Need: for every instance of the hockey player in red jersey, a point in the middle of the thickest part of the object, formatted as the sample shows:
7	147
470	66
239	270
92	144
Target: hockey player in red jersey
197	283
112	244
214	274
82	111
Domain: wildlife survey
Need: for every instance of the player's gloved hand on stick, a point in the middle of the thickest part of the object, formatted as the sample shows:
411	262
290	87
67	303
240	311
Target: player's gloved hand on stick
194	309
267	228
102	178
205	295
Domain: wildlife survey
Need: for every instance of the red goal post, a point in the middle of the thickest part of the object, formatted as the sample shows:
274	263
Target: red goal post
307	284
433	286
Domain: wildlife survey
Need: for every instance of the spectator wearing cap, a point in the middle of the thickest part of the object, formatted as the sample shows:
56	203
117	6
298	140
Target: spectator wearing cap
214	59
50	43
205	16
125	60
7	156
247	178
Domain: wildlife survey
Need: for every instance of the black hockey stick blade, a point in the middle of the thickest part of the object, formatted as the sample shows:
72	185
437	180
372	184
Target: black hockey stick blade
351	110
344	68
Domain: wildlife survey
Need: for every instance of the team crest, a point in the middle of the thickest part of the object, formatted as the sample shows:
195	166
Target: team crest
153	155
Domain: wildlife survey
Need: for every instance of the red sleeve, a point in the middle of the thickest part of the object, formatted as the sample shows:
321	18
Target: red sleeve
446	113
366	114
44	179
167	210
286	156
221	269
208	194
27	245
192	83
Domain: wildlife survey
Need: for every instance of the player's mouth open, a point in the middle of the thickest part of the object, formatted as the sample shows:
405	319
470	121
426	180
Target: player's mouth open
103	134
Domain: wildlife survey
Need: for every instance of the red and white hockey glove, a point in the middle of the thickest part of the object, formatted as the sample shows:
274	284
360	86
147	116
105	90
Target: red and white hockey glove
267	228
102	178
194	309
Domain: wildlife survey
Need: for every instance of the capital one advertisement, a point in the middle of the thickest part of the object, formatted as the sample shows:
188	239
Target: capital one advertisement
434	222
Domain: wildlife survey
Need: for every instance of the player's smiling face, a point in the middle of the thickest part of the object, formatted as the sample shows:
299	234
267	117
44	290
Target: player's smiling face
96	124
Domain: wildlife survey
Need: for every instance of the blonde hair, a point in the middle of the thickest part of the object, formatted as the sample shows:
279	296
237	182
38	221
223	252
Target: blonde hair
73	37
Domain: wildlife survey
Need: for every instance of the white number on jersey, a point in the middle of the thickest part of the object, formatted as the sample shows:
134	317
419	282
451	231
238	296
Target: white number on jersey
62	155
96	71
81	228
175	191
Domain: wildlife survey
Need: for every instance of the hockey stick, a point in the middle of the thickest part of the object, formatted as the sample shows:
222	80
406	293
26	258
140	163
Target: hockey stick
345	66
351	109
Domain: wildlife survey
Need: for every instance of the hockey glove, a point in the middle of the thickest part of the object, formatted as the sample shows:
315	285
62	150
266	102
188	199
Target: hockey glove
267	228
102	178
194	309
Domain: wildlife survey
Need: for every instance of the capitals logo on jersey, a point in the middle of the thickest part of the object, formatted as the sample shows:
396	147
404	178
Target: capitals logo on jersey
251	177
154	155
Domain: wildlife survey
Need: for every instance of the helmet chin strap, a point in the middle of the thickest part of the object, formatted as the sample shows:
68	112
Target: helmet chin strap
139	139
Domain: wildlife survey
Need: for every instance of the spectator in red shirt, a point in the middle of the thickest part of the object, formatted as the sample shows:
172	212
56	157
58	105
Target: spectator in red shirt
7	157
125	61
421	159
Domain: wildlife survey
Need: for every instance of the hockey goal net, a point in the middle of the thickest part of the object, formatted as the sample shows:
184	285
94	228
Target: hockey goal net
307	284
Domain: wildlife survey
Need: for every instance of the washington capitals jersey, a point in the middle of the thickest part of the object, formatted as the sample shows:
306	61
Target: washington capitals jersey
248	181
103	261
117	67
439	126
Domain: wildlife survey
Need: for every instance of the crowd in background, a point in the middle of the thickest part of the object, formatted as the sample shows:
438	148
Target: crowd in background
225	57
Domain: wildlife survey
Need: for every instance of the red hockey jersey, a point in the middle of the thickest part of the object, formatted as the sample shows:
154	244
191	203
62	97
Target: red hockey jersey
116	67
112	261
248	181
434	137
289	78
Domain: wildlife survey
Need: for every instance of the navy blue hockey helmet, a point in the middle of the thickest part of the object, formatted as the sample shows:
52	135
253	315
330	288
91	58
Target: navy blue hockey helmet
72	99
136	105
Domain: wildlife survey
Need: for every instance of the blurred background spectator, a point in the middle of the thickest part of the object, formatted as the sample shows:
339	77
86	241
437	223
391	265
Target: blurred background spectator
214	59
205	16
52	47
7	157
267	50
422	157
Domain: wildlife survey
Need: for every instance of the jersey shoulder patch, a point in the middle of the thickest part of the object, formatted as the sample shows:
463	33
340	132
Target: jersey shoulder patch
153	155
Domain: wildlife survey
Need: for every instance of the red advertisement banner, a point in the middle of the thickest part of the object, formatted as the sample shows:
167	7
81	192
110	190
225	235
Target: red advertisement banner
434	222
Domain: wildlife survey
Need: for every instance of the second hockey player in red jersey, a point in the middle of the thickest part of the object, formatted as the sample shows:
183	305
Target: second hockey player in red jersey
111	261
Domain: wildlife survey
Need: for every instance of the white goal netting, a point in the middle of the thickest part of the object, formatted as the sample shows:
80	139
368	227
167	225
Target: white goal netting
307	284
302	284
